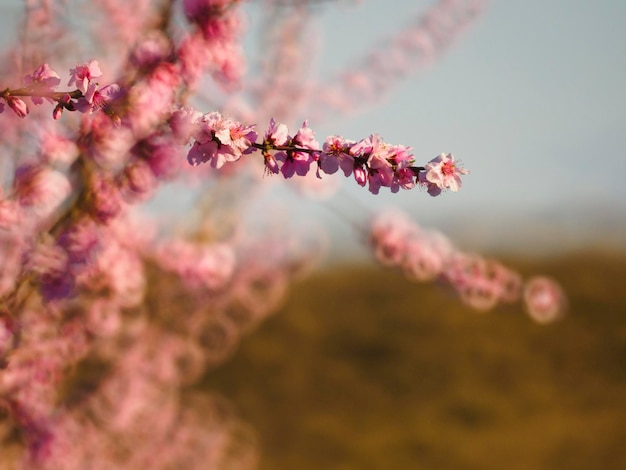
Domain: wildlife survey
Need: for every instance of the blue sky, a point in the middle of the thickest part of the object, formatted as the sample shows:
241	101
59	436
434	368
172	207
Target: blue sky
532	100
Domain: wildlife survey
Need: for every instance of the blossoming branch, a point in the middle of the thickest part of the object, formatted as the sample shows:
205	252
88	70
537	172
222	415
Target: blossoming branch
218	140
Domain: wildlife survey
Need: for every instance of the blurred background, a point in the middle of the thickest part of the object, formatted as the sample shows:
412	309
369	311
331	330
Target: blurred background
363	370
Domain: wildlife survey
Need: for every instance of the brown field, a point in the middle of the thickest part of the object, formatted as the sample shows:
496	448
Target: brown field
364	370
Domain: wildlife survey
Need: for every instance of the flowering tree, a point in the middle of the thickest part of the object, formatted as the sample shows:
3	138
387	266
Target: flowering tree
96	366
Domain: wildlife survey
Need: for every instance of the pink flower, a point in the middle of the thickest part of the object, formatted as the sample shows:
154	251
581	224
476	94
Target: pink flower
184	122
40	187
423	261
194	58
65	102
57	149
105	200
151	51
403	178
17	105
335	155
214	18
82	75
96	99
200	266
379	177
80	241
277	134
389	236
150	100
402	160
138	181
470	277
50	263
380	161
295	162
360	175
544	299
219	140
42	79
376	151
161	154
442	172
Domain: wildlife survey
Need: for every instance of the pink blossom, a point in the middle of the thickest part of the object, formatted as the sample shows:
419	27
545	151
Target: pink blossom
381	164
360	175
57	149
194	57
40	188
151	100
336	153
64	102
389	236
43	79
82	75
50	263
467	274
118	271
80	240
18	106
138	181
403	178
184	123
97	98
161	154
56	286
379	177
422	262
295	162
402	160
106	143
219	140
215	19
544	299
377	152
104	199
151	51
208	266
398	242
277	133
442	172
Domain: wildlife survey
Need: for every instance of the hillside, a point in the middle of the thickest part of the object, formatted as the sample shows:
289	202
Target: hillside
363	370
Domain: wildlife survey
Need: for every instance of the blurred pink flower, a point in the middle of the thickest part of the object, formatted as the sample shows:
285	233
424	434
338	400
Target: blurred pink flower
544	299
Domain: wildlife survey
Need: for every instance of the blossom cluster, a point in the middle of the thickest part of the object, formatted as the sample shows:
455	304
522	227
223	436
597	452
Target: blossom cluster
481	283
39	85
371	161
